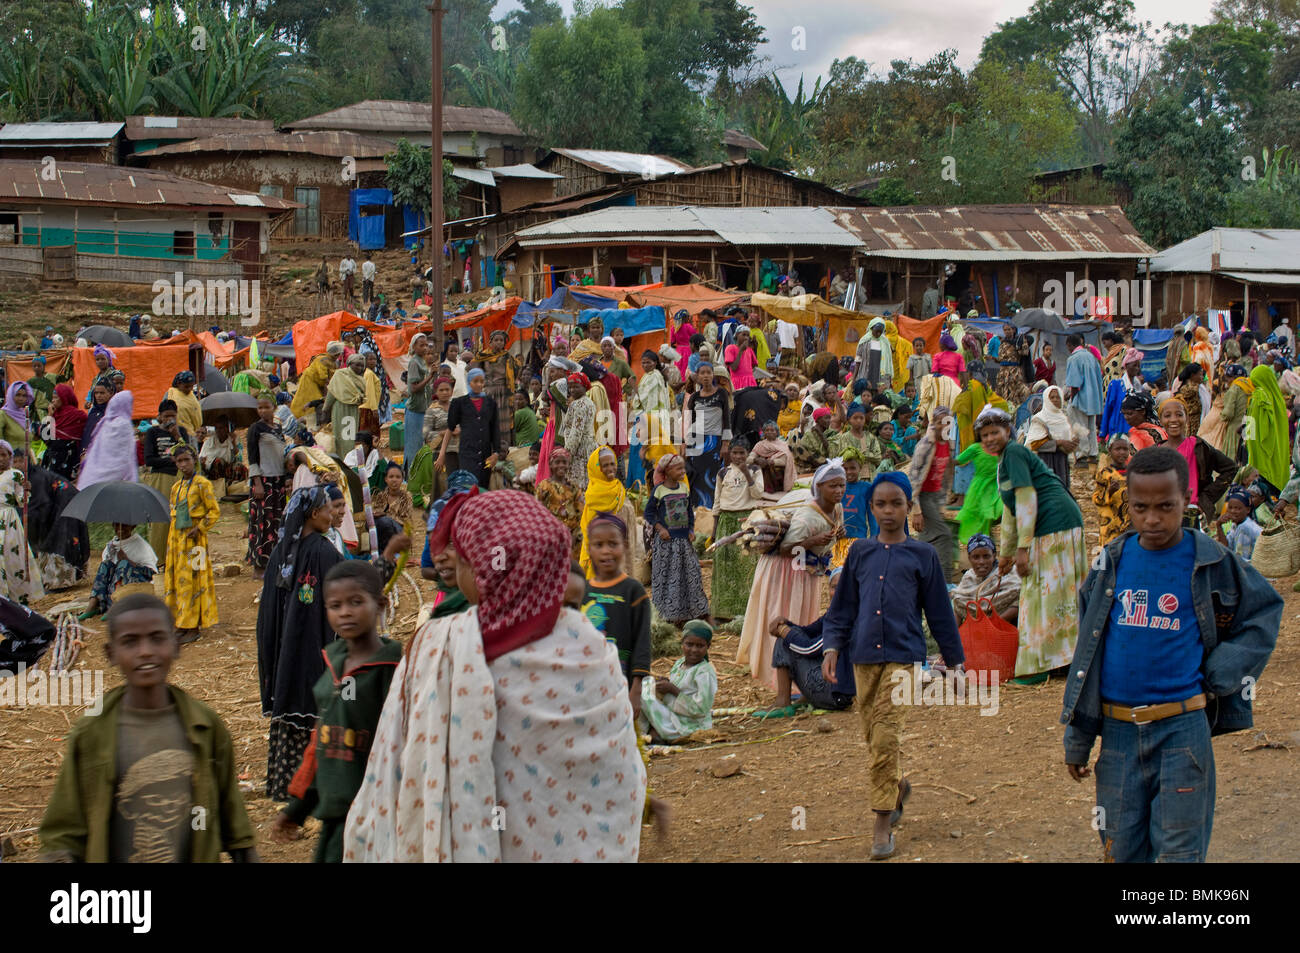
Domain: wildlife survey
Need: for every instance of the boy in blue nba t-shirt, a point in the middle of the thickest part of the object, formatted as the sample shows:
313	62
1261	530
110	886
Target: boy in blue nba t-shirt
1174	631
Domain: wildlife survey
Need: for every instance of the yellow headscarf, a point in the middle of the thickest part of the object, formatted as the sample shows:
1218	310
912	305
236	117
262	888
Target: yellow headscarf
602	496
902	351
968	405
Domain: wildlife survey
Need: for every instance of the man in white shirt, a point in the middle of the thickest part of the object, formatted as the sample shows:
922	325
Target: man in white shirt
347	268
458	369
787	335
367	279
1285	336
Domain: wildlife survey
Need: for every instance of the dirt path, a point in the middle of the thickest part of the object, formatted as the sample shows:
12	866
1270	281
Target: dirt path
987	788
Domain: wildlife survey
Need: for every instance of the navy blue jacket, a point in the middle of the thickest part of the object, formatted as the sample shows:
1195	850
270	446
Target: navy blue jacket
1237	611
876	613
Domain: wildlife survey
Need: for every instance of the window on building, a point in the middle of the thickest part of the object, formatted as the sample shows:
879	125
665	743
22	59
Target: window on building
306	220
275	191
183	244
9	230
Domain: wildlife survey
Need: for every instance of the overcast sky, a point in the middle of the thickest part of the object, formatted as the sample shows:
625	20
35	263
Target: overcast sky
879	31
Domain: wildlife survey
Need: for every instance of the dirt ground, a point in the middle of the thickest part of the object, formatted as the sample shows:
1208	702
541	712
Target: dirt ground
986	787
288	295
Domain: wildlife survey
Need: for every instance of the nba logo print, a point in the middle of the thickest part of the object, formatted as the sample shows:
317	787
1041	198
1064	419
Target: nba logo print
1168	603
1135	607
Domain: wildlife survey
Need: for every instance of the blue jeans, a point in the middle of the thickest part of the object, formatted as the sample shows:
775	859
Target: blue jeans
1155	788
412	437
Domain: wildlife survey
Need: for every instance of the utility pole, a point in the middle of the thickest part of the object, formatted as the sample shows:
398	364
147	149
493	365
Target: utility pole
435	196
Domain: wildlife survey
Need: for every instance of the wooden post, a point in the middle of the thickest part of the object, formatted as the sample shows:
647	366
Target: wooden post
757	273
907	289
1245	308
664	276
713	264
1015	282
595	266
789	263
435	153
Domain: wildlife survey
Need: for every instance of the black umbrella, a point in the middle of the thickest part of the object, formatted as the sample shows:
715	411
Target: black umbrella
239	407
354	483
117	501
1040	319
214	382
103	334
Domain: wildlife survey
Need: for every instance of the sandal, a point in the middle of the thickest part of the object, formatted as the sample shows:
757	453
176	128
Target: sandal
883	853
1030	679
787	711
904	792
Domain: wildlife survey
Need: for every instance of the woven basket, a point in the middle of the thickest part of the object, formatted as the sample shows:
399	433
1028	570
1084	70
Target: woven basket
1277	551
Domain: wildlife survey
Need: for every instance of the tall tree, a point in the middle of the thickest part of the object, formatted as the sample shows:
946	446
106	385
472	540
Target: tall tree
1098	51
583	84
1178	168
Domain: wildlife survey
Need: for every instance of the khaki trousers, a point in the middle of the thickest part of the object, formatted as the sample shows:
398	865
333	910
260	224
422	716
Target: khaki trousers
882	726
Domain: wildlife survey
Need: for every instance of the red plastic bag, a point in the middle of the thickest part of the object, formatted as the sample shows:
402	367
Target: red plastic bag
989	641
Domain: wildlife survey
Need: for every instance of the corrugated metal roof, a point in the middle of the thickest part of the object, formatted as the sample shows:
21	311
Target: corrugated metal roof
387	115
734	137
83	133
631	238
522	171
996	232
332	143
1264	277
625	163
1239	249
21	183
737	226
191	127
479	176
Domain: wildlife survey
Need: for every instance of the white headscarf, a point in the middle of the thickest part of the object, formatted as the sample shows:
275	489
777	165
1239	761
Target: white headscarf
1050	423
134	549
827	471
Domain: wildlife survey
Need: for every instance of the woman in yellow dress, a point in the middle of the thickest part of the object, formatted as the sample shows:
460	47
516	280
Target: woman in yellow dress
189	590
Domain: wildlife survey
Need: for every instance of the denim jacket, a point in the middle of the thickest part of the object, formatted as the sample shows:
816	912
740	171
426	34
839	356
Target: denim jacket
1238	612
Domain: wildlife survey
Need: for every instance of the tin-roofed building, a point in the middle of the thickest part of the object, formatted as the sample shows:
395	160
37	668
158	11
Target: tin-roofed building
93	222
1253	273
467	132
318	170
61	141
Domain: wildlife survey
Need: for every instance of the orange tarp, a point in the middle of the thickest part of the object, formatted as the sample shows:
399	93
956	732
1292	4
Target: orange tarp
614	292
311	337
909	329
149	371
694	298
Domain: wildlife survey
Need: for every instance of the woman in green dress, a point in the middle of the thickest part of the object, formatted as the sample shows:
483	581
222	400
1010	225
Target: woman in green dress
982	506
1042	536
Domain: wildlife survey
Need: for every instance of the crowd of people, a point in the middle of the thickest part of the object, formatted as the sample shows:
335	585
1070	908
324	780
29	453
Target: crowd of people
567	503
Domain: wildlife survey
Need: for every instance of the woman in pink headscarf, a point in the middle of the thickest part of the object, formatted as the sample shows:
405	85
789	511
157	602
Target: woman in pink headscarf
682	340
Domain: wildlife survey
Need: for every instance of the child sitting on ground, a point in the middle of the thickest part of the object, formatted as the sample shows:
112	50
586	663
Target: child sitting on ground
797	659
128	560
905	432
137	775
1245	531
359	667
984	580
675	707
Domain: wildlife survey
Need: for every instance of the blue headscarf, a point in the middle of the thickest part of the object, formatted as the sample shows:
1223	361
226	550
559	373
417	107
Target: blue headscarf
980	540
897	478
458	481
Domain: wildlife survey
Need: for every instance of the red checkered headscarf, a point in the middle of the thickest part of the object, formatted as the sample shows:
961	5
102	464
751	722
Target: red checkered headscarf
521	556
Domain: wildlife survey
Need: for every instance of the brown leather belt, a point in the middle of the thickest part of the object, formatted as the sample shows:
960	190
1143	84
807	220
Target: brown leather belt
1145	714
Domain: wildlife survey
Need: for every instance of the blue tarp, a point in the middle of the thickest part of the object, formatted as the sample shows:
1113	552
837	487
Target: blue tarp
1154	345
412	221
589	302
633	321
287	339
368	231
548	309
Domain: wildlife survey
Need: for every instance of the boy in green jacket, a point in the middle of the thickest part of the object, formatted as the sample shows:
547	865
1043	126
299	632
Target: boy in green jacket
151	779
359	667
